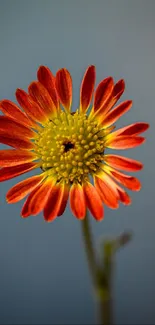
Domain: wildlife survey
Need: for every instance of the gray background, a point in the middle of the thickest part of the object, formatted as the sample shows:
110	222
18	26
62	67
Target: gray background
43	271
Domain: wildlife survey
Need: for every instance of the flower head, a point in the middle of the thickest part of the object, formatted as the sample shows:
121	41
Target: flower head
68	147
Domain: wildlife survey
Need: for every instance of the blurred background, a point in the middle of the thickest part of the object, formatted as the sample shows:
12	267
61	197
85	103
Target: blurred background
44	277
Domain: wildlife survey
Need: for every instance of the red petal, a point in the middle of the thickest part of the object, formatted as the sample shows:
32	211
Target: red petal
13	111
93	201
13	128
25	213
116	113
31	108
64	201
123	163
54	202
118	90
19	191
130	182
15	142
47	79
14	134
11	172
37	200
13	157
103	93
124	142
108	196
64	87
123	196
132	129
120	194
87	88
40	95
109	181
77	201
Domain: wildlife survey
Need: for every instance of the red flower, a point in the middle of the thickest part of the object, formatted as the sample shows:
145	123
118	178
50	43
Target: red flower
68	147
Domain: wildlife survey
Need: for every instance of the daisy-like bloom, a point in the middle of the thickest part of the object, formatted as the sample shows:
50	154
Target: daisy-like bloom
68	147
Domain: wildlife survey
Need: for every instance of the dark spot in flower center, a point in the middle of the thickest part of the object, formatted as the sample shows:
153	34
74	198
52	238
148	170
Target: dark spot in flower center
68	145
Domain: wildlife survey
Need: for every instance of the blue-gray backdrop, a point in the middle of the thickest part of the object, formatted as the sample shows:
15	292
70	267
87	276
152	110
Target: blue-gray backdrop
43	271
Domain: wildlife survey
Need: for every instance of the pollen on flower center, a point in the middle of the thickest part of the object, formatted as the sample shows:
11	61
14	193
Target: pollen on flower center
70	147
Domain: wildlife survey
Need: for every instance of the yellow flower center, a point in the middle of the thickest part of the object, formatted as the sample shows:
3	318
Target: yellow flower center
70	147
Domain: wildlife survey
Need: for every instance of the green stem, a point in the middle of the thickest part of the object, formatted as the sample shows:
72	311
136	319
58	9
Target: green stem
105	295
101	280
105	311
106	299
